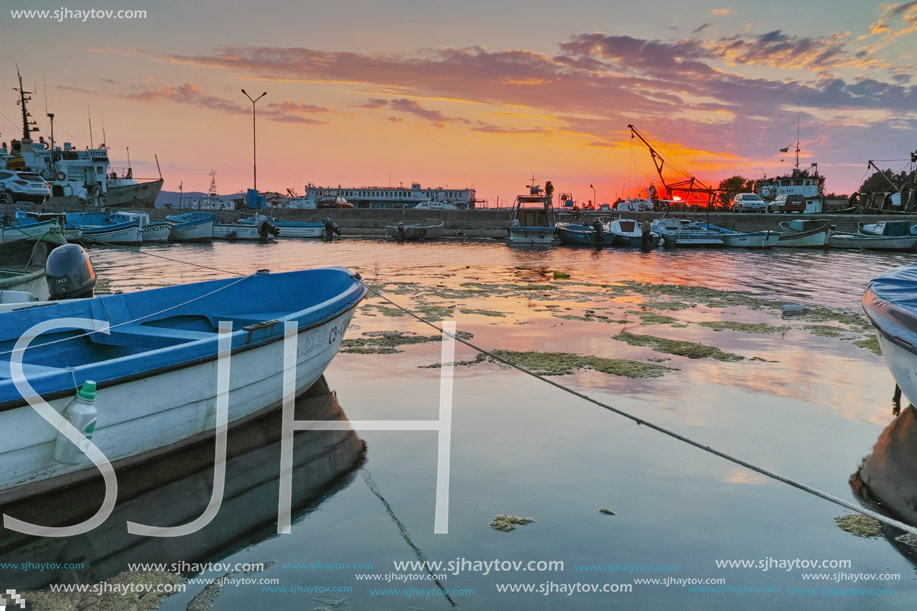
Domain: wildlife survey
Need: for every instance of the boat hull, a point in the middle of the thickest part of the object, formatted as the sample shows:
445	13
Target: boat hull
693	238
238	231
33	231
757	239
304	230
193	231
129	236
816	238
172	403
155	232
531	235
415	232
863	242
139	194
583	235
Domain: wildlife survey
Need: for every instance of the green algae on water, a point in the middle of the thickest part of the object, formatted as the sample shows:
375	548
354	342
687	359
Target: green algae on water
384	342
434	312
652	318
859	525
691	350
759	328
564	363
492	313
506	523
825	330
871	343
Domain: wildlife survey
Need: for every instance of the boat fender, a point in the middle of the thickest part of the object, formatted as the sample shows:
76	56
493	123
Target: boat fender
793	309
81	412
908	195
61	176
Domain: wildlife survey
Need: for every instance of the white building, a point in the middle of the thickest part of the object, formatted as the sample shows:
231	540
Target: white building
387	197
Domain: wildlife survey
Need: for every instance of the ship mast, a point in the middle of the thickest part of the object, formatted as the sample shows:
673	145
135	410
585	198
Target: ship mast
27	127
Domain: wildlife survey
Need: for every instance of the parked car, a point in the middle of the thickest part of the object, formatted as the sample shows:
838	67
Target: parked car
748	202
24	186
792	202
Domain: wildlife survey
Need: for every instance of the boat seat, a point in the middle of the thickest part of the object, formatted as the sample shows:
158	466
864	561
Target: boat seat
149	337
28	369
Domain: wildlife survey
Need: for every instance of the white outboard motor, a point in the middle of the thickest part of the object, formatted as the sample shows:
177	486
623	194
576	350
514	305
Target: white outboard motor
70	273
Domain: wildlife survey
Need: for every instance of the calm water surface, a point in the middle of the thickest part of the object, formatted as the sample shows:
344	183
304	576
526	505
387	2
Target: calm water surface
800	403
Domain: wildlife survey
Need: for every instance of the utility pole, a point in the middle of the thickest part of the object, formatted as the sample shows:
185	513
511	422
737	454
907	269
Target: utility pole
254	141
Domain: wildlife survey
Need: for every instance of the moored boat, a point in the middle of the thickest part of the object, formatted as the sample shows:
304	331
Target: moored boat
102	228
683	232
804	233
192	226
743	239
597	233
155	369
36	271
28	231
871	242
533	216
287	229
426	230
149	231
243	231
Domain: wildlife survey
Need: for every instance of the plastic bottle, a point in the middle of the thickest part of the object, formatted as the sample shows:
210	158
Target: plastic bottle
81	412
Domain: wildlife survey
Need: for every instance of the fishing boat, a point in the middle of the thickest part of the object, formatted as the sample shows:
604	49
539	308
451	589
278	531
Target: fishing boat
683	232
629	233
69	231
803	234
244	231
167	490
150	232
426	230
102	228
192	226
744	239
597	233
867	241
28	231
155	368
533	216
287	229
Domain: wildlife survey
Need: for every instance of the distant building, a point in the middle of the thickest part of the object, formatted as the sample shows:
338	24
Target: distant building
388	197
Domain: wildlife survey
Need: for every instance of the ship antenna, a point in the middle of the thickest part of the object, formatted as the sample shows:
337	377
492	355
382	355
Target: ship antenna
89	114
27	127
797	142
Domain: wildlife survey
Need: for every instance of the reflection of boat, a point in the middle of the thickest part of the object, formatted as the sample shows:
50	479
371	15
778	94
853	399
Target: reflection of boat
533	216
167	492
683	232
890	302
890	472
155	369
192	226
426	230
804	234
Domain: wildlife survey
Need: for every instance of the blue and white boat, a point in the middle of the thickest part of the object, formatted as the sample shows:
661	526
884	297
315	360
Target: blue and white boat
156	367
596	233
683	232
533	216
890	302
629	233
287	229
103	228
744	239
192	226
150	231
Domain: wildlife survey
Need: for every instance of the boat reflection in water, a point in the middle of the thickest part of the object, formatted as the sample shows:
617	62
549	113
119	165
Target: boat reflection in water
175	489
887	480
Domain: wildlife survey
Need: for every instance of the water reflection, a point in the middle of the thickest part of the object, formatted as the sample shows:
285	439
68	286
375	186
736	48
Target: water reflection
887	480
175	489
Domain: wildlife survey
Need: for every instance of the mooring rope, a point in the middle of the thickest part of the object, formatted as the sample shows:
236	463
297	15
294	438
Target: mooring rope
661	429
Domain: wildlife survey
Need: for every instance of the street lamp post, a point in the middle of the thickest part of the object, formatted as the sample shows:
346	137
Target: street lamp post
254	141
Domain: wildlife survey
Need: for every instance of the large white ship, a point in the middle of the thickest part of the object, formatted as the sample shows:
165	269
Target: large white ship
386	197
67	169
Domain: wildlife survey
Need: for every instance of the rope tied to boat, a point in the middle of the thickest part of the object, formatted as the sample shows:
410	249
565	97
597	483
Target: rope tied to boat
656	427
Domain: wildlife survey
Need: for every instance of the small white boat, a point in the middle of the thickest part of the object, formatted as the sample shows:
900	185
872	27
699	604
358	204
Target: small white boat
25	230
155	371
533	216
149	231
744	239
287	229
804	234
871	242
427	230
243	231
683	232
43	269
192	227
101	228
887	228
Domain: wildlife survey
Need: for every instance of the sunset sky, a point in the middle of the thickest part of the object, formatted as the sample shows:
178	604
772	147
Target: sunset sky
473	93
